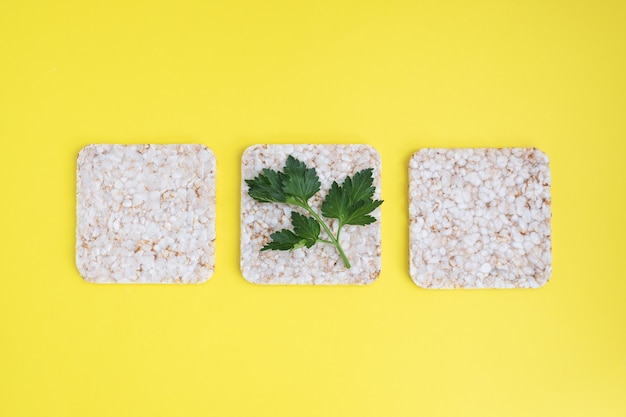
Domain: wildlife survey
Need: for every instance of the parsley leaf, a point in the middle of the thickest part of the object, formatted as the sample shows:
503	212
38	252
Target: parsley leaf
284	240
267	187
296	184
300	183
359	213
307	232
305	227
359	187
351	203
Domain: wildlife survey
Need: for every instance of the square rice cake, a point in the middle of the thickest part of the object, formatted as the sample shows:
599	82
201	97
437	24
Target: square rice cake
480	218
145	213
321	263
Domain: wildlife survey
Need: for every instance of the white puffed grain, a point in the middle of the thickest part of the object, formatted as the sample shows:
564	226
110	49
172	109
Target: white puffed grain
491	218
145	213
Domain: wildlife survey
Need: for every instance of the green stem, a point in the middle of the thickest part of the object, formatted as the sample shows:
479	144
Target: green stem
334	239
339	230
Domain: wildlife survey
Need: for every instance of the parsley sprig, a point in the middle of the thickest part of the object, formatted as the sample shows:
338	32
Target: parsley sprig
350	203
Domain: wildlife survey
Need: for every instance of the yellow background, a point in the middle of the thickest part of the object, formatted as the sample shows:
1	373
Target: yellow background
398	75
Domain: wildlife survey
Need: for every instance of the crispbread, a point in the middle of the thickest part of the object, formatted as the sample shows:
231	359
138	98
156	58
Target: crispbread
145	213
320	264
480	218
